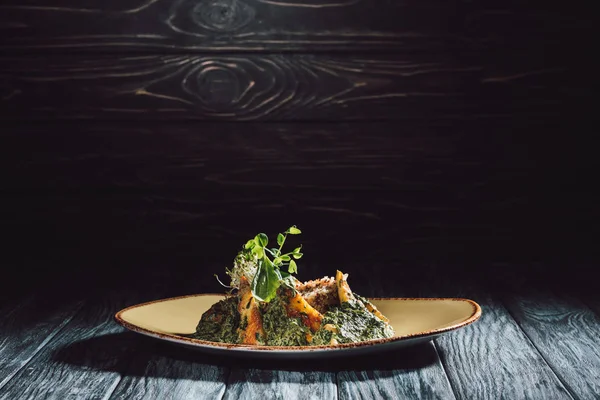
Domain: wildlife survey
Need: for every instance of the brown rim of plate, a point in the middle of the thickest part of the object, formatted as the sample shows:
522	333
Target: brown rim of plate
246	347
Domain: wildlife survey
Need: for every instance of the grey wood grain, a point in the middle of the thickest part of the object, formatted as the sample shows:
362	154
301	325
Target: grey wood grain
493	359
222	25
593	302
152	376
259	25
279	384
71	365
285	87
162	370
26	328
417	380
566	332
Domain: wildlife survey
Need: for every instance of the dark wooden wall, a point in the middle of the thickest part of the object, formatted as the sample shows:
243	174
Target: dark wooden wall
139	135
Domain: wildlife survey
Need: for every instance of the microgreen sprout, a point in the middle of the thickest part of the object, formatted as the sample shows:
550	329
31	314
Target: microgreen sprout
265	267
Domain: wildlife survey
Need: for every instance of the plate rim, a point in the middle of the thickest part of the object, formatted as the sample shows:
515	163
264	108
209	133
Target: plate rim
475	315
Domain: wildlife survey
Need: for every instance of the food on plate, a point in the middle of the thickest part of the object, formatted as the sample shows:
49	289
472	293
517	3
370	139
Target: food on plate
267	305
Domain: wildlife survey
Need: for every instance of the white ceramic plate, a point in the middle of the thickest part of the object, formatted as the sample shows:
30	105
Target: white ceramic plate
414	321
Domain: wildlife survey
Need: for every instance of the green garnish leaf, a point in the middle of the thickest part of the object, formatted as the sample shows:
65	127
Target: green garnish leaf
266	281
261	239
280	239
292	268
297	256
294	231
249	244
297	249
259	251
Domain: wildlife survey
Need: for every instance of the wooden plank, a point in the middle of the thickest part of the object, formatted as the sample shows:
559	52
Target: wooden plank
258	25
129	157
491	358
85	359
185	188
311	87
565	332
407	374
27	327
157	376
279	384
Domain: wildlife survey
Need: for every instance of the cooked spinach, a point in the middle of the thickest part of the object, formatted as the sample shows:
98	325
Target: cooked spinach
220	323
280	329
354	323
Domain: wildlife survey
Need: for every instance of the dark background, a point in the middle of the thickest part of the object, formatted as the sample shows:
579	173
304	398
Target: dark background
150	139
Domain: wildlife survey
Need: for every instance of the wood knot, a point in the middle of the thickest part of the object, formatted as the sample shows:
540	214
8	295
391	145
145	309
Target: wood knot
217	85
222	15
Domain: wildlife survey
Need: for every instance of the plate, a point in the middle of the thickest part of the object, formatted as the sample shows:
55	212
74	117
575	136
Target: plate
414	321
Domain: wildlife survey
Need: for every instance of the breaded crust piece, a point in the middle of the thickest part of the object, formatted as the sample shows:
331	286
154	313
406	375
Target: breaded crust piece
319	293
343	289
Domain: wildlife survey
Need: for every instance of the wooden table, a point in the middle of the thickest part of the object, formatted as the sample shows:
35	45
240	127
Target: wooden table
531	343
